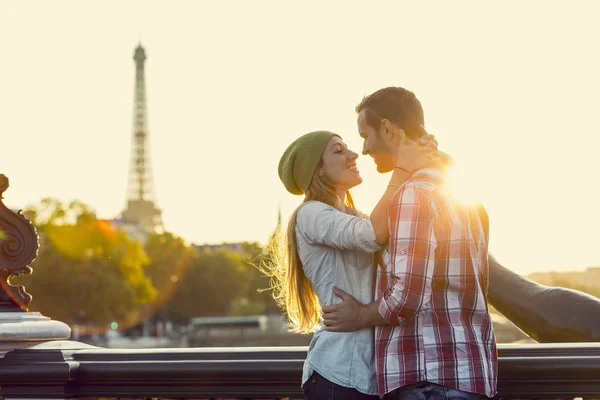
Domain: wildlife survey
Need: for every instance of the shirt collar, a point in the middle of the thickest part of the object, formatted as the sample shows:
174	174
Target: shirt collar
432	172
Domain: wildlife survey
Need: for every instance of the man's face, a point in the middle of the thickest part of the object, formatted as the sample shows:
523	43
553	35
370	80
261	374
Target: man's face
374	145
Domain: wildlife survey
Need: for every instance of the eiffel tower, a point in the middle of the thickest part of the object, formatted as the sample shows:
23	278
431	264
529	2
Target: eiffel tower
141	209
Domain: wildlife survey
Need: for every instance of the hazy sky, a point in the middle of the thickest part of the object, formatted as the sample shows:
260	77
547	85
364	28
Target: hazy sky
509	88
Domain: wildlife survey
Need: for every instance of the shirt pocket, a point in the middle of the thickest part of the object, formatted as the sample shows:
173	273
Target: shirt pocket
357	259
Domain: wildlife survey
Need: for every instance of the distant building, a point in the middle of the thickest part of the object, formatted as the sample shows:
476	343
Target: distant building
235	247
239	247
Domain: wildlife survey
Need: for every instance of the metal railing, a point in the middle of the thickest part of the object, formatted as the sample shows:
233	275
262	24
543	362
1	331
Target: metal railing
71	369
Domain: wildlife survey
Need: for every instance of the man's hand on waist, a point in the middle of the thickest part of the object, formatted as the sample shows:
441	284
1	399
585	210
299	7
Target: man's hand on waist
350	315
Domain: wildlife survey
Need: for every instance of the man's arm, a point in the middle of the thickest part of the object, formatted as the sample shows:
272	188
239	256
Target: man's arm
379	215
412	250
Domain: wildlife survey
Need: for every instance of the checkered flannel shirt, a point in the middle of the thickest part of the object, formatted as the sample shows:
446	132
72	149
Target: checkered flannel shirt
431	289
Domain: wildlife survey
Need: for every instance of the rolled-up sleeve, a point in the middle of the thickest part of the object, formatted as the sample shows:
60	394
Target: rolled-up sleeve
322	224
412	250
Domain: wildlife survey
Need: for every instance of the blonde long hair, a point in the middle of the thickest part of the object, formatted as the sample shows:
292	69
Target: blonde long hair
291	288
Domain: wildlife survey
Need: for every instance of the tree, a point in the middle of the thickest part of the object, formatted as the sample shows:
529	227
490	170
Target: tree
259	297
212	283
264	263
192	283
170	258
87	272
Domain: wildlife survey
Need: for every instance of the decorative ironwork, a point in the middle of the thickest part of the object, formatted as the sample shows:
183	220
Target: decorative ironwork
18	248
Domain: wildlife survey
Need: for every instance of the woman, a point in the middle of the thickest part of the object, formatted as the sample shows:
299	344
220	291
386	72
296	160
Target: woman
329	245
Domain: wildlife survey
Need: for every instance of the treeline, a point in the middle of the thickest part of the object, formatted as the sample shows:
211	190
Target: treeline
584	281
90	273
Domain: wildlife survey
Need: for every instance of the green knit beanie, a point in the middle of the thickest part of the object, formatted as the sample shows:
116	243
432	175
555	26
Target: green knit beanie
299	162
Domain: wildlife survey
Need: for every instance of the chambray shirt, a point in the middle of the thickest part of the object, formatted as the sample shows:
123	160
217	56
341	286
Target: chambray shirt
336	249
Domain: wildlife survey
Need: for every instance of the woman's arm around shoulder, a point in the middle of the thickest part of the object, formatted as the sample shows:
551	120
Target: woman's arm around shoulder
321	223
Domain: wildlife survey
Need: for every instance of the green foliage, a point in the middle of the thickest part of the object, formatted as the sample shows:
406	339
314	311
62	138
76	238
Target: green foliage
170	258
211	283
222	283
87	272
259	293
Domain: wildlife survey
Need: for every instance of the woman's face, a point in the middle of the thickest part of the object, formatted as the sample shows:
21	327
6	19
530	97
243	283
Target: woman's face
339	165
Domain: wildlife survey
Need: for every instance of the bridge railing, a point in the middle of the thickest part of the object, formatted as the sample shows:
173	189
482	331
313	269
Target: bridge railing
65	369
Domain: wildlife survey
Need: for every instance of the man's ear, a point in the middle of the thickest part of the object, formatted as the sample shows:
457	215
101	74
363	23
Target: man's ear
386	130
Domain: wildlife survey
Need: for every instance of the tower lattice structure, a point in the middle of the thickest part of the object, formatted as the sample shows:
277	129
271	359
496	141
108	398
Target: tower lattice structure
141	208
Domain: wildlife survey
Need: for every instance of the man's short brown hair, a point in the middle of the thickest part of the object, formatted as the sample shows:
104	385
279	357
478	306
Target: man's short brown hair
398	105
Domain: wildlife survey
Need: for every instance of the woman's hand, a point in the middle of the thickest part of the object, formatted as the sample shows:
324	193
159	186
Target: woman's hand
417	154
428	142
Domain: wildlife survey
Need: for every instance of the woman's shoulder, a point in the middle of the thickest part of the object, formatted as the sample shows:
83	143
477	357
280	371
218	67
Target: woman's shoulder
312	213
313	207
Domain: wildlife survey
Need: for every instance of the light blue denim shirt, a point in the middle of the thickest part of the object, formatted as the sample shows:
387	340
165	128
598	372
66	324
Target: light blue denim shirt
336	249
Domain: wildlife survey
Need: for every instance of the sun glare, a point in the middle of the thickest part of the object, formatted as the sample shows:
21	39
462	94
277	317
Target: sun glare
463	187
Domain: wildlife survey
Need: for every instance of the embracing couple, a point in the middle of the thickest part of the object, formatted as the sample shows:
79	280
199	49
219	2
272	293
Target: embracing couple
397	298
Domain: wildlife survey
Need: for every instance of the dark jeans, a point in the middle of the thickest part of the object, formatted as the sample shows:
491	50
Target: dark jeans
430	391
319	388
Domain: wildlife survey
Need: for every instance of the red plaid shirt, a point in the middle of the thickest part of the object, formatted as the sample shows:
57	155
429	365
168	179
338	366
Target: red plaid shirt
431	289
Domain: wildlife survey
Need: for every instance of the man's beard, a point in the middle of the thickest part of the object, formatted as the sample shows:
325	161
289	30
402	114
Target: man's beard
384	160
384	163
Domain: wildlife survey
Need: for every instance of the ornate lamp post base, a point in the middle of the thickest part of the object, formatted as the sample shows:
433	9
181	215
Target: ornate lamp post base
18	248
25	329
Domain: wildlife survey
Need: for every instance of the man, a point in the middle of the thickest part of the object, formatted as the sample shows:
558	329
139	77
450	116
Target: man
433	332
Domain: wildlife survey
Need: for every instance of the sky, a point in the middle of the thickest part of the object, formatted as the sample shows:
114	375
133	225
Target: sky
510	90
